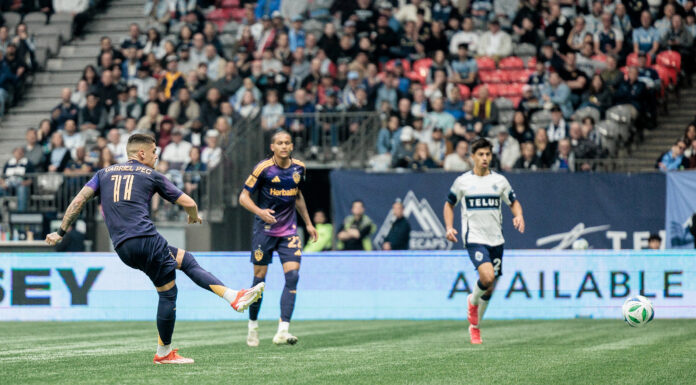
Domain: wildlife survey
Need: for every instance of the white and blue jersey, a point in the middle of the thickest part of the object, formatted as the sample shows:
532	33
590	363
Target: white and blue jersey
480	198
645	38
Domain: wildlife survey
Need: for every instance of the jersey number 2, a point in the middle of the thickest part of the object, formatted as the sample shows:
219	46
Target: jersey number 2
117	187
294	242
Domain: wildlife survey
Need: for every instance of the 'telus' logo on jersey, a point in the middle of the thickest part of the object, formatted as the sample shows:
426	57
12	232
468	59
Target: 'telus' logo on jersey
482	202
427	232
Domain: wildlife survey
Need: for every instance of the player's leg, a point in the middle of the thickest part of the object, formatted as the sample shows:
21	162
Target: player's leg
480	257
253	327
166	317
496	256
261	257
290	255
239	300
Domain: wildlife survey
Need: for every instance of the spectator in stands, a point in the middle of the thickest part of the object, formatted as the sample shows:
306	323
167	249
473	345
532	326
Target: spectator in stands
485	110
144	82
575	79
437	146
92	116
184	110
565	159
117	146
528	159
124	107
33	150
324	232
151	120
589	132
459	160
299	125
356	229
176	153
505	148
438	118
65	110
14	181
186	63
558	127
107	91
272	117
18	67
388	92
632	91
646	39
673	159
519	129
677	38
216	64
130	66
422	160
193	170
576	36
79	96
557	27
597	95
59	156
545	150
72	137
8	82
210	108
665	23
248	85
583	148
212	153
608	39
464	68
558	93
172	80
26	46
494	43
134	39
612	76
248	108
78	166
106	159
400	232
654	242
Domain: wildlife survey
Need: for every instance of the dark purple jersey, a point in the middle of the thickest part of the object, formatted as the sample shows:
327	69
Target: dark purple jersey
126	190
278	190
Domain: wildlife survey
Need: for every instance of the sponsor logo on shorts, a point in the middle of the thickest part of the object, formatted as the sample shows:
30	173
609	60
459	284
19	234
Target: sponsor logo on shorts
258	254
478	256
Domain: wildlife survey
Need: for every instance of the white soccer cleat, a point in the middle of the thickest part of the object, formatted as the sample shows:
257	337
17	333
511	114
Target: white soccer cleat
253	337
246	297
284	338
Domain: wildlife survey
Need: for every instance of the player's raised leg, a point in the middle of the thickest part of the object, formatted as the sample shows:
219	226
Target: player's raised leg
253	329
239	300
287	304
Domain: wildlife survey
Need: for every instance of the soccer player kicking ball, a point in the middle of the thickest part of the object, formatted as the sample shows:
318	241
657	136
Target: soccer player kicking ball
480	192
125	191
279	182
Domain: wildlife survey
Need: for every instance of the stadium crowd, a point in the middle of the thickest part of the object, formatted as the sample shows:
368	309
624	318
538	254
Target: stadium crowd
535	77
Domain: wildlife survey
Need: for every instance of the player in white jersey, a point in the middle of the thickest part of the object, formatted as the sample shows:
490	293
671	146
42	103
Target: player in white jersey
480	193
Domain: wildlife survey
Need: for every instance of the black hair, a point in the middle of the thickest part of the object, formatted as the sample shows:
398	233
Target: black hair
140	139
357	201
280	132
479	144
654	237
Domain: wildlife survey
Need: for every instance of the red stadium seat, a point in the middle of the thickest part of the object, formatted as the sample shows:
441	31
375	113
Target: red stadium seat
237	14
518	76
493	90
416	77
464	91
485	63
219	16
666	74
422	67
671	59
496	76
511	89
632	60
624	69
511	63
600	58
404	63
531	63
229	4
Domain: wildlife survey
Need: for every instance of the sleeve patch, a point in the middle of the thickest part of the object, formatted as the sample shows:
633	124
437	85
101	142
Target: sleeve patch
452	198
512	197
251	181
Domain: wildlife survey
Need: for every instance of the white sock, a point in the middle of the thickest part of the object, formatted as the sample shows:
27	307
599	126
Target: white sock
476	295
253	325
229	295
163	350
483	304
283	326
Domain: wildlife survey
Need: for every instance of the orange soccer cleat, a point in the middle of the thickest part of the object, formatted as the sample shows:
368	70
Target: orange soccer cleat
473	312
172	358
475	334
246	297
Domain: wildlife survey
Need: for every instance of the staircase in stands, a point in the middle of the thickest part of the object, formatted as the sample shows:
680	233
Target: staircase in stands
65	69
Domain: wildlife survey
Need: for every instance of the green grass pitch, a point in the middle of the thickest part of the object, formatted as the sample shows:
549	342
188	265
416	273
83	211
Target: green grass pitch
354	352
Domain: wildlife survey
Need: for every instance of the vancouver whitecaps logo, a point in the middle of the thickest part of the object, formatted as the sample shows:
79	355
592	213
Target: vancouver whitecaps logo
566	240
432	234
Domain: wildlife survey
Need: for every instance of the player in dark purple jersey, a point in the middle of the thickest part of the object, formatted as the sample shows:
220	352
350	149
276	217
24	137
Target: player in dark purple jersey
279	183
125	191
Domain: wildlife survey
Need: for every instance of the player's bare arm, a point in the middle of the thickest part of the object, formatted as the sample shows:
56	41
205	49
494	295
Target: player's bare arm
448	214
190	207
518	218
73	211
301	207
265	214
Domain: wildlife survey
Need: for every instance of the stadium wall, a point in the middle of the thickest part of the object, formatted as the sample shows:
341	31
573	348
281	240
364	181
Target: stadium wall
342	285
610	211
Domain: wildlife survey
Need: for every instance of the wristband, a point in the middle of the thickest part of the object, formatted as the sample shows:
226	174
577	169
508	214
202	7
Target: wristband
61	232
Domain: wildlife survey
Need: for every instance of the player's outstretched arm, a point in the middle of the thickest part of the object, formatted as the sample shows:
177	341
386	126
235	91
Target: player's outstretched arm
518	218
71	213
301	207
190	207
448	214
265	214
